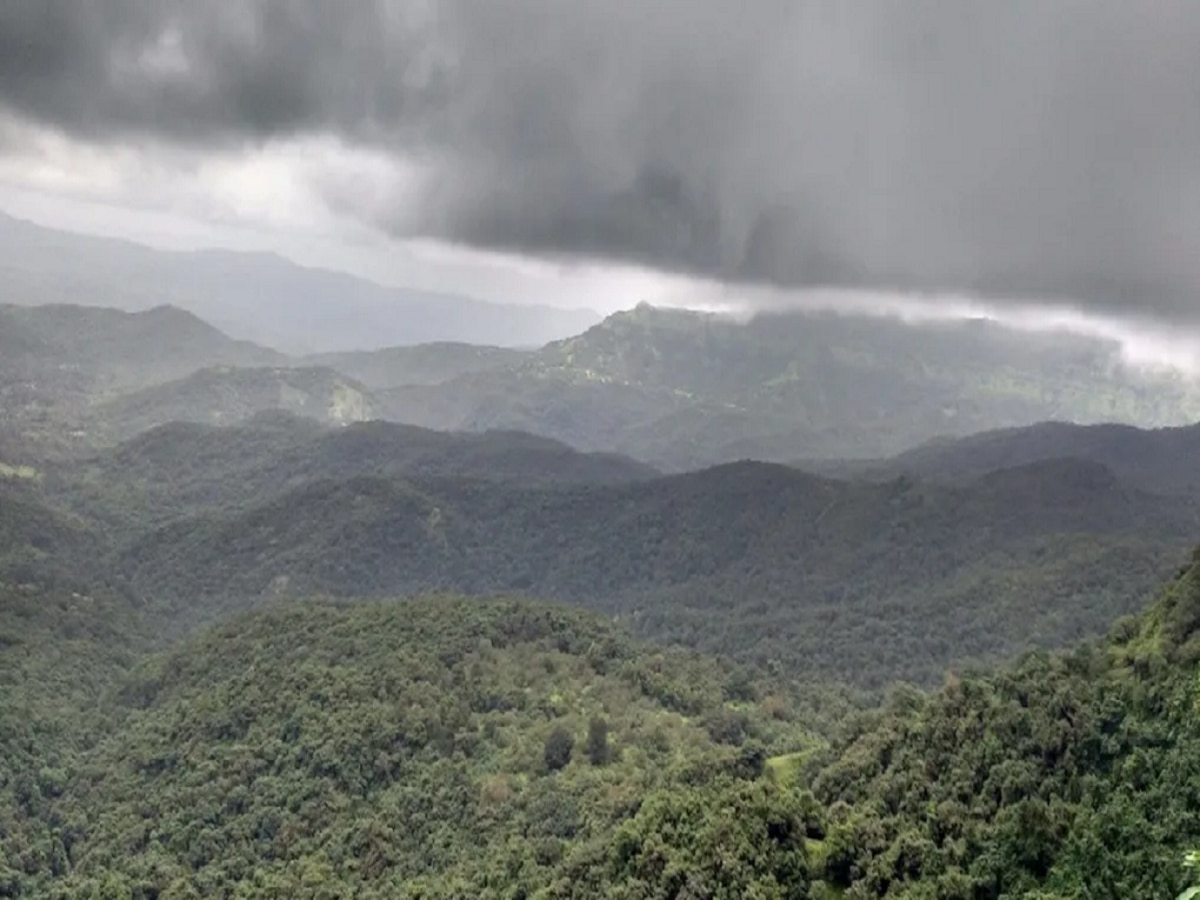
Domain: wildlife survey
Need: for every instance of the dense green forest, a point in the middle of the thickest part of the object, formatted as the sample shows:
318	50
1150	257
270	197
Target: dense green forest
440	747
228	395
826	579
1066	776
453	747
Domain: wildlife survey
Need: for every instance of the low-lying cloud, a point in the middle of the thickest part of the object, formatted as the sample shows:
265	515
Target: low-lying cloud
1021	149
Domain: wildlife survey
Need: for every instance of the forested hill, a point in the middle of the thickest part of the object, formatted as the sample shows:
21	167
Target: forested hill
421	364
1163	460
830	579
449	747
1066	776
437	748
183	468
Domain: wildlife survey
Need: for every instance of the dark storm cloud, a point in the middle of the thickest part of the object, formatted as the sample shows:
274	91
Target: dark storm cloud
205	71
1044	147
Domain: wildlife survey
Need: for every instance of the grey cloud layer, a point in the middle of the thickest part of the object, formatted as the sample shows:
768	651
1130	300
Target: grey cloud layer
1025	146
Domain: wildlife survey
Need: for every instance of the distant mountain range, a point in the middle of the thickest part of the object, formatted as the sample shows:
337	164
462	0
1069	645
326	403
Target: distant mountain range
159	478
260	297
678	390
684	389
1164	459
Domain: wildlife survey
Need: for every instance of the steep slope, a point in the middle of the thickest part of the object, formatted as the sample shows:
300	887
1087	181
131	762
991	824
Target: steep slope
60	651
1071	776
860	581
682	389
42	545
1165	460
441	747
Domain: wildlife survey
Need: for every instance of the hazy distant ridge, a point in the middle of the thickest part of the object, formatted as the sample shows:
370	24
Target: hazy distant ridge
261	297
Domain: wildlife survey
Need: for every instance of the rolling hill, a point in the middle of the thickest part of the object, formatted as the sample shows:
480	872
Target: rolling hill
1165	460
179	718
57	362
864	582
172	469
228	395
675	389
120	350
443	747
434	747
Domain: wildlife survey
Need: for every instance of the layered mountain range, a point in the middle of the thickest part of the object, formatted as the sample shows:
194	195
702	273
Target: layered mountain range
680	606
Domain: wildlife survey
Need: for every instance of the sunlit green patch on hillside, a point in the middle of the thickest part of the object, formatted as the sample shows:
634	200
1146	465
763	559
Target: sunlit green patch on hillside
24	473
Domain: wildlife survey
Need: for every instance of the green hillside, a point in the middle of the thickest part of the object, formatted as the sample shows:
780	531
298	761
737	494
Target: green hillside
442	747
828	579
57	362
675	389
449	747
297	658
1067	776
1164	460
61	650
120	349
184	467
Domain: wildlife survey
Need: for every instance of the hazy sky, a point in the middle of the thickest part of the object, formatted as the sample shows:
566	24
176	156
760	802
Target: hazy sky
1040	150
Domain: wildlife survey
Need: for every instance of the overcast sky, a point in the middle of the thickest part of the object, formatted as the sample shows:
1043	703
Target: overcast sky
599	152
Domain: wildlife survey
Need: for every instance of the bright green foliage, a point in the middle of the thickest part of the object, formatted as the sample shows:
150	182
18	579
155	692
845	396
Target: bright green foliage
325	749
1076	776
400	749
726	840
1191	861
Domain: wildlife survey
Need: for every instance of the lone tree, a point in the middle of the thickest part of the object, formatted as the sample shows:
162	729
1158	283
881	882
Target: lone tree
557	751
597	741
